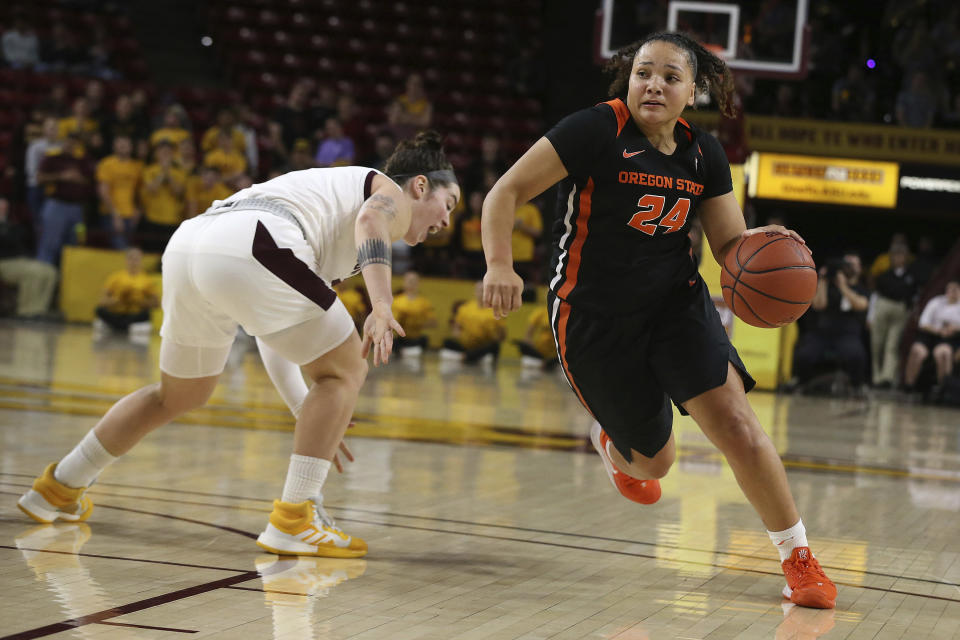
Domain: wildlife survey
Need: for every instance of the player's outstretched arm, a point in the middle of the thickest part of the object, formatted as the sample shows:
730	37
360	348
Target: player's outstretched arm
535	172
384	216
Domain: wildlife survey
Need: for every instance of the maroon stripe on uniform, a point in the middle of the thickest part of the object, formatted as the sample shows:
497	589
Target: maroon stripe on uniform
368	184
282	263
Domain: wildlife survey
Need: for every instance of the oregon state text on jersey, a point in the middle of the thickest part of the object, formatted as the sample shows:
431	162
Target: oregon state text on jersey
625	208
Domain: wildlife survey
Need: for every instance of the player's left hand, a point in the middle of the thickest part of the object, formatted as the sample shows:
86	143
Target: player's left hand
345	450
776	228
378	331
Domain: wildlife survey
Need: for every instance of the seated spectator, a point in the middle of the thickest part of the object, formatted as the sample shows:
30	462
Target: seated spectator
383	146
67	175
336	150
476	333
83	124
411	111
226	121
355	302
472	264
226	159
118	179
538	349
185	156
163	195
292	121
128	297
890	307
938	332
415	314
837	335
174	129
36	152
21	48
916	105
527	227
202	190
35	280
123	122
354	125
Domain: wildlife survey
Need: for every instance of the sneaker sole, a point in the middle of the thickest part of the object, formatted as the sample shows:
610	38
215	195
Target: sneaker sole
809	599
42	513
334	552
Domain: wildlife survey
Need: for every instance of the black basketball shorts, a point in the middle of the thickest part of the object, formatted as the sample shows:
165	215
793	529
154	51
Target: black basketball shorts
627	369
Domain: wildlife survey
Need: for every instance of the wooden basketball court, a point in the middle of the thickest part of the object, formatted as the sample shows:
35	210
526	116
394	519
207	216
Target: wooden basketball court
487	514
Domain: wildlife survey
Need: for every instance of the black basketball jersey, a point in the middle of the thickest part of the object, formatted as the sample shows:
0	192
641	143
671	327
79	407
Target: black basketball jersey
625	209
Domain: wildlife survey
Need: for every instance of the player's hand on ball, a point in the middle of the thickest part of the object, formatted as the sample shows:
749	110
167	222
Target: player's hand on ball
777	228
378	331
501	290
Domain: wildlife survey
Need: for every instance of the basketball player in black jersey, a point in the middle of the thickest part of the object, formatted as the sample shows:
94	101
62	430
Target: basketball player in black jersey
634	324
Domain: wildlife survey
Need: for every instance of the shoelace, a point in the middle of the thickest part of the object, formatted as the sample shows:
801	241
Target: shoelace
322	515
808	571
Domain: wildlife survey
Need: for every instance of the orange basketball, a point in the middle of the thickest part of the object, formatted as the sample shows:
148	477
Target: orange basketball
768	279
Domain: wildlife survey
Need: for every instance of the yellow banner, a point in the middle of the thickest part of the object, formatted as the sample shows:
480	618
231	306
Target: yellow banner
818	179
845	139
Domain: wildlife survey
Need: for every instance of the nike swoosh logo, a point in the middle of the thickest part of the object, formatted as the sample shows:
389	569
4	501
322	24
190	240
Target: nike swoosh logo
632	153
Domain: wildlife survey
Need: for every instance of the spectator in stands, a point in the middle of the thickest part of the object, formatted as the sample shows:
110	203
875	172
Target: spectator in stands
353	299
882	262
324	103
123	122
291	122
411	111
527	227
490	160
354	124
837	336
415	314
98	53
383	145
247	124
788	104
471	261
81	122
226	159
174	128
916	105
57	103
301	157
226	121
96	103
890	307
128	296
36	152
476	333
141	110
21	48
185	156
35	280
938	332
852	97
67	175
202	190
118	180
538	349
60	51
163	195
337	149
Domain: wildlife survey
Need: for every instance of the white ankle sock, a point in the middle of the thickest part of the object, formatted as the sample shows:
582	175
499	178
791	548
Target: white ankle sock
305	477
80	467
789	539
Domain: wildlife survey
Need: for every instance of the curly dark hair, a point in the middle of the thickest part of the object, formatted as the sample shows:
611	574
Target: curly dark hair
710	73
419	156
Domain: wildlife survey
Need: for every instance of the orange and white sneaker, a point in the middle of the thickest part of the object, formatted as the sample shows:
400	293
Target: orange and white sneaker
807	584
305	529
642	491
50	500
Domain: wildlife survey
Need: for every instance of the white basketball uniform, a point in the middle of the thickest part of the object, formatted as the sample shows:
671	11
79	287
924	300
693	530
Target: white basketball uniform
263	258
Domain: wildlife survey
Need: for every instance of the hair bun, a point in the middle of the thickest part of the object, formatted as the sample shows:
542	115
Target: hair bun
429	140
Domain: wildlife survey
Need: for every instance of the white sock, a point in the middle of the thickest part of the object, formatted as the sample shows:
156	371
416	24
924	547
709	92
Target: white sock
789	539
80	467
305	477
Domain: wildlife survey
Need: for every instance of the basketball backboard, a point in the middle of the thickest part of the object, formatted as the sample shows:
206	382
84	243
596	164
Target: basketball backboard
767	38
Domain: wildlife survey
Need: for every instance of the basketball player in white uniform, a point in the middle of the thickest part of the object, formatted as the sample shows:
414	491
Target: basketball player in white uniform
265	258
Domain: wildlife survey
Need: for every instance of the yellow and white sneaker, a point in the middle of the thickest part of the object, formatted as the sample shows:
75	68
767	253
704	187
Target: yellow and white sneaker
50	500
305	529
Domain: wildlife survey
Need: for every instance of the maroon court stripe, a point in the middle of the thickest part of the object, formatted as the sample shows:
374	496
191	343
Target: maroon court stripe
282	263
147	626
133	607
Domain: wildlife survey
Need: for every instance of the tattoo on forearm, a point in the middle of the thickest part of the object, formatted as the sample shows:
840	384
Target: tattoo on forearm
383	204
374	251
